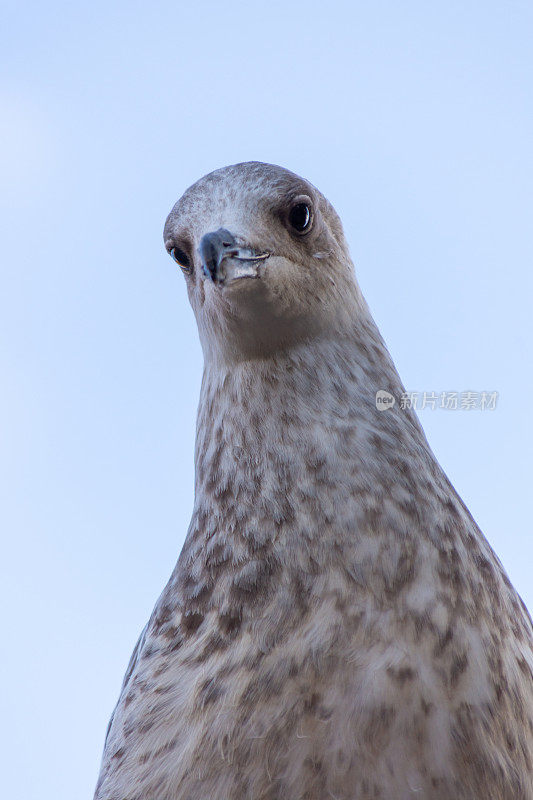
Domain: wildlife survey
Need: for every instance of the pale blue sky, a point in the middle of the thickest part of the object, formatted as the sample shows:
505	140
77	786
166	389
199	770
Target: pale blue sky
414	118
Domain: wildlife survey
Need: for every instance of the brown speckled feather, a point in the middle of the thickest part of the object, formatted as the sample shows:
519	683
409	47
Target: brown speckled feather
336	626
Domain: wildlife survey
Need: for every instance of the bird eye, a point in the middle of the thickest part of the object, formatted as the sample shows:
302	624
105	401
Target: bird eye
300	217
181	258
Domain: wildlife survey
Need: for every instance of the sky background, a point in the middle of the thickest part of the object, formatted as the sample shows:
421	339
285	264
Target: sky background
415	119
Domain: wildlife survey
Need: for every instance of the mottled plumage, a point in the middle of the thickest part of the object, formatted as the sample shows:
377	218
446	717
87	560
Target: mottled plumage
336	625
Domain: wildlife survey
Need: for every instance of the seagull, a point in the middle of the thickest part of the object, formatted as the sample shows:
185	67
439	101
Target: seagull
336	626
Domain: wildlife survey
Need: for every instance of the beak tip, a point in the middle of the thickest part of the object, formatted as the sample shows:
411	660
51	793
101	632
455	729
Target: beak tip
212	251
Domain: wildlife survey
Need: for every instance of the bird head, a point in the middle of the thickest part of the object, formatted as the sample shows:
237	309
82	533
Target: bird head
265	261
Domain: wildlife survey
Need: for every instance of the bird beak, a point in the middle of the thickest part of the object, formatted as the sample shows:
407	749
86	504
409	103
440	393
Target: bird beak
224	260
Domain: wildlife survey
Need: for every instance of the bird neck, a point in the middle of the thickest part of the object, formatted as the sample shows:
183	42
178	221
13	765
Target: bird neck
293	464
267	428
